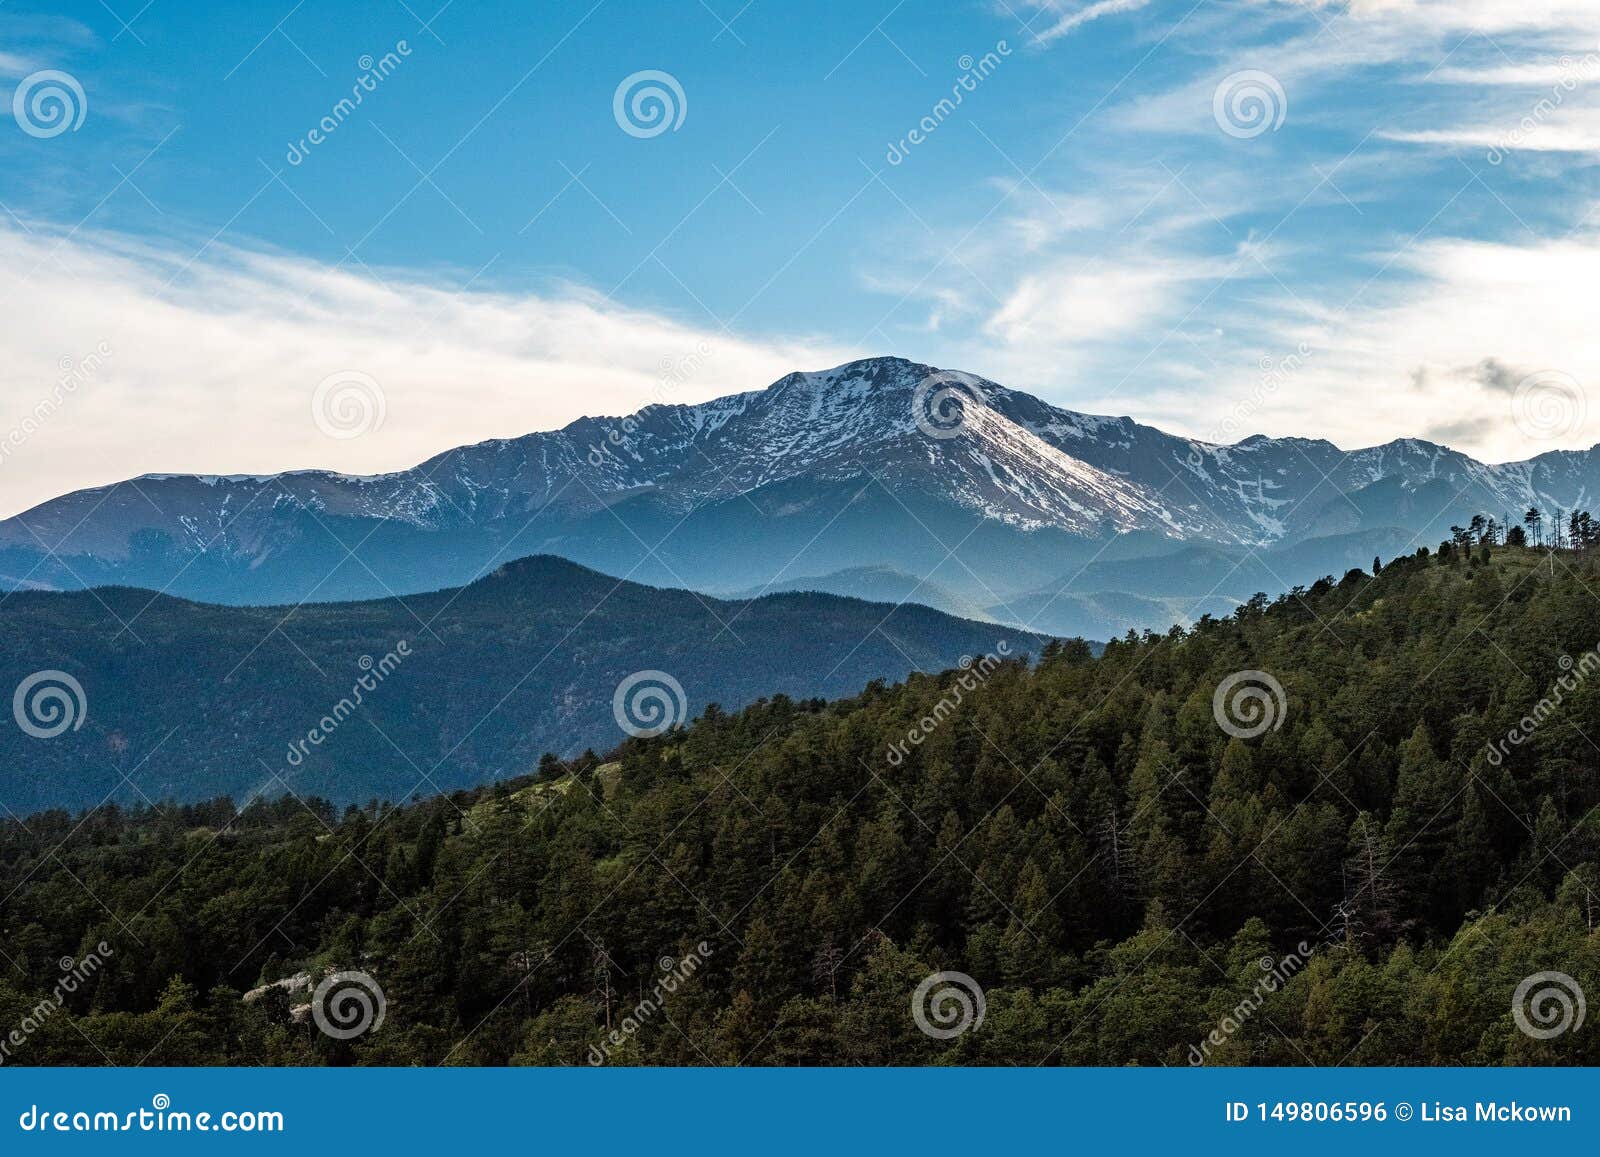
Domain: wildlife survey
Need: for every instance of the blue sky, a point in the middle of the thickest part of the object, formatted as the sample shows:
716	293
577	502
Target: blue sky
1406	237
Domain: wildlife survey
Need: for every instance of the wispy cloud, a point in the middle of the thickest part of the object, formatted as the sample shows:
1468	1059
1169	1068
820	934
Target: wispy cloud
1073	17
1079	303
1563	72
12	65
1127	275
1570	134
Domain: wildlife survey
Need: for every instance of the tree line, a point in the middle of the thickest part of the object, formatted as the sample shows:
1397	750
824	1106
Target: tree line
1570	530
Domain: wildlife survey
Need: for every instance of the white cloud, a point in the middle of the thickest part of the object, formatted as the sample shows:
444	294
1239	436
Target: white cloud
1565	73
1536	101
1567	135
1074	17
1408	357
1332	52
213	361
1097	303
12	65
1486	16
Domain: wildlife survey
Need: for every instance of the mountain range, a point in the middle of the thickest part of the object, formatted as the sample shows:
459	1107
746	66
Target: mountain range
841	481
177	700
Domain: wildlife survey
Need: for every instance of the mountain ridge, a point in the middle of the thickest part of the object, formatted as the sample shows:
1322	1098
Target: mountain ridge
819	472
184	700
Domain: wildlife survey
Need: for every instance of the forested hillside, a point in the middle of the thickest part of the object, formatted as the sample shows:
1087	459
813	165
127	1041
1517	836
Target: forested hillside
456	688
1082	836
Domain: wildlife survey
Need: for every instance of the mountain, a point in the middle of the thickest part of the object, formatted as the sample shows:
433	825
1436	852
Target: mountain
189	701
984	492
877	584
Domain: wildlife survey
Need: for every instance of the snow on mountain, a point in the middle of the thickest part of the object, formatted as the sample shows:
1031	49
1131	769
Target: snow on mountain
1014	462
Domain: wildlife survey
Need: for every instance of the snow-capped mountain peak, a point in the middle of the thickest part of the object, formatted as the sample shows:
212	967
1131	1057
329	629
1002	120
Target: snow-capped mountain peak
882	430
